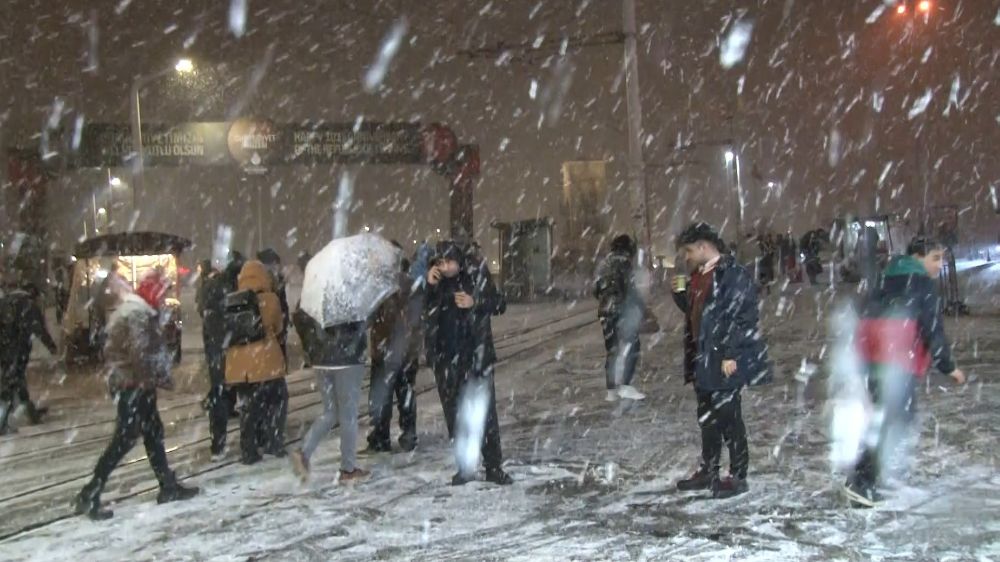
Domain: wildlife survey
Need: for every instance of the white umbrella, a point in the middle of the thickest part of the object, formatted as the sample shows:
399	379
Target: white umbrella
349	278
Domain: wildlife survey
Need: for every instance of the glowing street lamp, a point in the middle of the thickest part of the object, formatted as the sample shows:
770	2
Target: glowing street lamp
184	66
924	6
901	9
729	156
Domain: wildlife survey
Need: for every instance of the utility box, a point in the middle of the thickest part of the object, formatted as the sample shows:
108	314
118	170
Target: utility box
525	257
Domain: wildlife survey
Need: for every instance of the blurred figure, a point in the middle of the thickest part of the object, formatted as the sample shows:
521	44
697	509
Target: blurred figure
21	319
724	351
620	312
900	336
137	363
272	261
460	301
212	309
395	360
255	362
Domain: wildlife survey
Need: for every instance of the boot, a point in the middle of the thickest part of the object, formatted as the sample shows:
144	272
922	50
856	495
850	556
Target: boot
498	477
378	445
408	441
729	487
36	413
700	480
88	502
172	491
460	479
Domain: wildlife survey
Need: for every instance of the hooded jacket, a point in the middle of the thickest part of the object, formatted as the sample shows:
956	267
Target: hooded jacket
262	360
135	353
901	324
20	319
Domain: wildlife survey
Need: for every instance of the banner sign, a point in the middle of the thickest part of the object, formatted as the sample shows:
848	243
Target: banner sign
252	144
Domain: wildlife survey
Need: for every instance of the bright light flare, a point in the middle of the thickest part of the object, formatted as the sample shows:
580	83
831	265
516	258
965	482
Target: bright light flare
184	66
924	6
901	9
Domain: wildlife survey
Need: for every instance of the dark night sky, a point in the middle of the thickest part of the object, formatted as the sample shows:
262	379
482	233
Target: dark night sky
801	102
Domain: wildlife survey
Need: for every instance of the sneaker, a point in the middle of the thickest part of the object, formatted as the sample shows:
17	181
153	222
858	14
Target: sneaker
629	392
498	477
354	476
278	452
300	465
700	480
218	455
89	504
861	497
460	479
176	493
408	441
612	396
729	487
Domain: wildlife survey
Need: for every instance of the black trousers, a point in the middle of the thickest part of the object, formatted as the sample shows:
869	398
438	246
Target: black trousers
384	385
262	421
720	416
218	396
14	384
137	416
623	353
450	386
895	395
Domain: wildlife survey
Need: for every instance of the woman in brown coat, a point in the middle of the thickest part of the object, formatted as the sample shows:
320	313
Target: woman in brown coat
258	371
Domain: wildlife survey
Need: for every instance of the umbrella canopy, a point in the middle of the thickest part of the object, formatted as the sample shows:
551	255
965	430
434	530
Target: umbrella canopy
349	278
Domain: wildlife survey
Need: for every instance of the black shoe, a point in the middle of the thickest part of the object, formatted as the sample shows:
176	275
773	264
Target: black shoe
251	459
175	493
498	477
729	487
700	480
461	480
88	503
278	452
35	414
408	441
378	446
860	496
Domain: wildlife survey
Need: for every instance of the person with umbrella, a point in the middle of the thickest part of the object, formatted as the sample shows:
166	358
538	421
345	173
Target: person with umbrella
461	298
344	285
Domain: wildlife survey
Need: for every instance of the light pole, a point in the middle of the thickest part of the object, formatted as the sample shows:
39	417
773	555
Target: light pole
636	173
733	168
182	66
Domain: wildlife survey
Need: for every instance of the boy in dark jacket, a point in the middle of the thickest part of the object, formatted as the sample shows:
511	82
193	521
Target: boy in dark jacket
461	298
900	336
20	319
724	351
620	311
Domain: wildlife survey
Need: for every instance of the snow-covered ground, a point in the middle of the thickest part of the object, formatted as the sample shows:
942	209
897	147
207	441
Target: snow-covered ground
595	480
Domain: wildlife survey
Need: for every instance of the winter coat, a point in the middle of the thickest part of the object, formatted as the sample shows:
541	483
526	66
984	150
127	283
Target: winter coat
212	309
135	352
262	360
614	287
395	331
462	337
901	324
729	330
20	319
336	346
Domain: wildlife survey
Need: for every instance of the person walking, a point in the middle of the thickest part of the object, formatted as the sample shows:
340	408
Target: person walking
900	336
461	299
395	360
137	364
272	261
337	356
212	309
724	351
258	365
21	319
620	312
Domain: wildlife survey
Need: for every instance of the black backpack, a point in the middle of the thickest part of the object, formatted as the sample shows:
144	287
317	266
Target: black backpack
244	324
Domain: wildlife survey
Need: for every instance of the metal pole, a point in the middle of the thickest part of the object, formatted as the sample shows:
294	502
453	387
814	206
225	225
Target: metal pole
137	162
740	204
260	220
636	172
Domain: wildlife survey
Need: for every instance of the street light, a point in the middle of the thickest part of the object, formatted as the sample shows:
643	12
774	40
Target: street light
182	66
115	182
901	9
924	6
729	156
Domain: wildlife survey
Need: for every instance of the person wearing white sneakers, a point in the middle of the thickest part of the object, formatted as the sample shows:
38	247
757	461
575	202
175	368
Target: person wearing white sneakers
621	312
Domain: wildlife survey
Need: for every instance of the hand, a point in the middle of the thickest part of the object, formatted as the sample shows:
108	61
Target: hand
958	376
728	367
464	301
433	276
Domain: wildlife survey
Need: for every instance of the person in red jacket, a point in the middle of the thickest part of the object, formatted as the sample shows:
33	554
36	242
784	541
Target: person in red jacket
901	334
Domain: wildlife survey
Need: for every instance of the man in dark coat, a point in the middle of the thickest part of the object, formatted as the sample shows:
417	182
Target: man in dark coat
20	319
724	351
460	301
212	309
901	334
620	311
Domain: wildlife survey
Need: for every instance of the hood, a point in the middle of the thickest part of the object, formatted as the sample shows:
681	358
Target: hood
905	265
255	277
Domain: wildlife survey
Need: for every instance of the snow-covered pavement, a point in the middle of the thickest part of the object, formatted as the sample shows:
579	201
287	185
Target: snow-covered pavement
594	480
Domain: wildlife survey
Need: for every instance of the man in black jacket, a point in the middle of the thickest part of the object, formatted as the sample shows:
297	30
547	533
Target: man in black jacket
460	301
212	308
20	319
620	312
724	351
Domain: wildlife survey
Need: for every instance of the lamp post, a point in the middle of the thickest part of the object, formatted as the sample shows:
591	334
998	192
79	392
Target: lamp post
182	66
